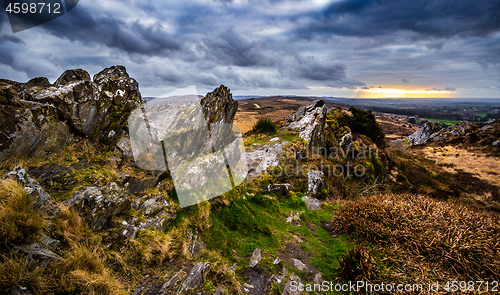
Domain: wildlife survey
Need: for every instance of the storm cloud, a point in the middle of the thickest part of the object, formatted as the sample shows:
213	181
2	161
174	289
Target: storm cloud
271	46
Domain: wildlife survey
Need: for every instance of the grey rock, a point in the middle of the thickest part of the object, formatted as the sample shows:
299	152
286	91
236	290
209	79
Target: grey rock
262	158
299	264
292	289
125	146
277	260
42	200
318	278
312	203
48	241
315	183
309	121
275	139
346	143
423	134
194	277
196	244
99	204
256	257
38	118
153	204
281	188
219	105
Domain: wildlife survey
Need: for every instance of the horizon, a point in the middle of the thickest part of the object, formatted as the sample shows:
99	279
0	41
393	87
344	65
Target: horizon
340	48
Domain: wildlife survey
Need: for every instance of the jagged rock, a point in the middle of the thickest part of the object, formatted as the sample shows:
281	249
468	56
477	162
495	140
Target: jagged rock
136	185
99	204
219	105
262	158
275	139
125	146
37	118
277	260
346	143
130	227
196	245
310	122
312	203
299	264
194	277
282	189
315	183
455	130
256	282
41	199
423	134
292	289
256	257
153	204
37	252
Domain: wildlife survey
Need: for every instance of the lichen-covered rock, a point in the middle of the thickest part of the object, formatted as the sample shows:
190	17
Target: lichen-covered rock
312	203
263	157
194	278
41	199
99	204
256	257
37	117
219	106
310	122
279	188
292	289
346	142
315	183
423	134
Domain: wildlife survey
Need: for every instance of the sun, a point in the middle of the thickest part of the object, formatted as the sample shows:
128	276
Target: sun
400	93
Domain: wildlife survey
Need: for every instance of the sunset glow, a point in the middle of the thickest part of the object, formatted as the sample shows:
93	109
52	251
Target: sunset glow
400	93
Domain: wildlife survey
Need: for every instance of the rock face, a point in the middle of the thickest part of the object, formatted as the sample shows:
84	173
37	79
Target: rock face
310	122
315	183
42	200
99	204
219	106
262	158
37	117
194	278
423	134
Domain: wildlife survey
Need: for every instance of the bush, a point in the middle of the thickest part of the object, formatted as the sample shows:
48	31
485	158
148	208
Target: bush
357	265
264	125
364	122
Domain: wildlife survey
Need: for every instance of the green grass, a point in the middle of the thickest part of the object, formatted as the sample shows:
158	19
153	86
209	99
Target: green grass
256	222
481	115
447	122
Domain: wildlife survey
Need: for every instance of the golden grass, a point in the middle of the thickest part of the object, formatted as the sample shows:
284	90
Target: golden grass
451	159
19	224
425	239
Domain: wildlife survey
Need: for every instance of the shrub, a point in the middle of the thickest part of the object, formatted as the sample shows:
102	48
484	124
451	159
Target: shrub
364	122
357	264
264	125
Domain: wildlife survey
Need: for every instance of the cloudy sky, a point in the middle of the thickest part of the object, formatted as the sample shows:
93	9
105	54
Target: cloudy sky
348	48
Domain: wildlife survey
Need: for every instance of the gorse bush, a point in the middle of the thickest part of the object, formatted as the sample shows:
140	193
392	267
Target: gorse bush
264	125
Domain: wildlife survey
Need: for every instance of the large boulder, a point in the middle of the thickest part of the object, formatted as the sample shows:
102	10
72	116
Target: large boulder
219	105
99	204
309	121
423	134
37	117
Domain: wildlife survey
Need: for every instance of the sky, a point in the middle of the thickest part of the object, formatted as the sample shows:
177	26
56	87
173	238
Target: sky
343	48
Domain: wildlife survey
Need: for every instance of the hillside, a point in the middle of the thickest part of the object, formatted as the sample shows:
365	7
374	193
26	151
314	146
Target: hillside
326	198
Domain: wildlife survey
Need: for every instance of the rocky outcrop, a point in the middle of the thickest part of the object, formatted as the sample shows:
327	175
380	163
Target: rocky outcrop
219	106
315	183
263	157
41	199
312	203
99	204
423	134
309	121
37	117
194	278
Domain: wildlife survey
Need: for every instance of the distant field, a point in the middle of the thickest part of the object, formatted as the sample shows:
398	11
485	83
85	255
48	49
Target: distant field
481	115
447	122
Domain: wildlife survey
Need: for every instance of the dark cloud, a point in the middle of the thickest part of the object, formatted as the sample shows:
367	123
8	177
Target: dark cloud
314	70
444	18
232	48
405	80
89	26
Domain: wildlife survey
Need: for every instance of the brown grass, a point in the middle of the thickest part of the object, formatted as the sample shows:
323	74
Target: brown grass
424	239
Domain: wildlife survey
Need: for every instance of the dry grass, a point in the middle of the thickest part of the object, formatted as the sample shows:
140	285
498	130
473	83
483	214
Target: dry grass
19	224
424	239
451	159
